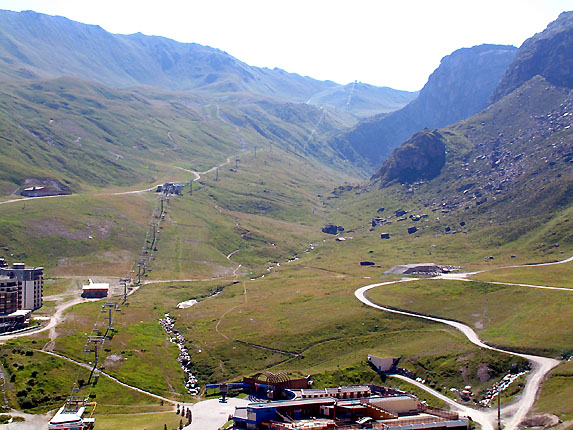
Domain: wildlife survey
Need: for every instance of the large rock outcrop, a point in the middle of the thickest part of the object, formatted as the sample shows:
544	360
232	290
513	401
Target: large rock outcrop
421	157
460	87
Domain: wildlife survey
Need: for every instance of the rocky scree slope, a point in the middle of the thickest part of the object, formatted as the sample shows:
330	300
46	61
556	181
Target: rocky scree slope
513	161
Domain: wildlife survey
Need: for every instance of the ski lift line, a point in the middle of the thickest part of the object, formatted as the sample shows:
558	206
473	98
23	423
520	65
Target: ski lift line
76	383
350	95
101	339
322	115
152	224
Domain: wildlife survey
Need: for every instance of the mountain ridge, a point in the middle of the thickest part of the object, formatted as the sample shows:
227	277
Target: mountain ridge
38	46
547	54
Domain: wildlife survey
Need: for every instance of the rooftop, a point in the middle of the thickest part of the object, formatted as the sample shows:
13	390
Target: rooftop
63	416
289	403
96	286
18	313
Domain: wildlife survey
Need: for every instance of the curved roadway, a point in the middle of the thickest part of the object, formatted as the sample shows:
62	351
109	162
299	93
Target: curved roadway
513	413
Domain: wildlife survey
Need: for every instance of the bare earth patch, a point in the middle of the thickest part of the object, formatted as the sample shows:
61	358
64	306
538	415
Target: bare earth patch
69	229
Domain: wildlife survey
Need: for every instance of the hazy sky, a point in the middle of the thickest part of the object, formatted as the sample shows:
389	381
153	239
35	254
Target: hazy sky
395	43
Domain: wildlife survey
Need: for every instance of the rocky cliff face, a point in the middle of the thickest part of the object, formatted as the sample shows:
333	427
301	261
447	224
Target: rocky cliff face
421	157
460	87
548	54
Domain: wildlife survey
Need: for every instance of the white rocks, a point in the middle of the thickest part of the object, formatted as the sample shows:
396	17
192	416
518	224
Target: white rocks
498	387
184	357
187	304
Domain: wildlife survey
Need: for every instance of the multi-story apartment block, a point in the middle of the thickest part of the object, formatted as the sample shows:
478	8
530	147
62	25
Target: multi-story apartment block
8	295
30	284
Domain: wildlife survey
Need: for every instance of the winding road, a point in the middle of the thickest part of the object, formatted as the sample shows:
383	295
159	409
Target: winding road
512	414
55	319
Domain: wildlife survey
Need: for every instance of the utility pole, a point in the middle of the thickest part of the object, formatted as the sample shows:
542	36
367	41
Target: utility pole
499	410
96	341
217	174
236	163
153	226
191	188
109	306
123	283
140	264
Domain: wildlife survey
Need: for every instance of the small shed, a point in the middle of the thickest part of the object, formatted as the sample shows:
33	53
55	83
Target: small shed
95	290
384	364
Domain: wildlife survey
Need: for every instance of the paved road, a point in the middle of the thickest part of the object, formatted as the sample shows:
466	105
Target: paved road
513	413
212	414
32	421
463	276
483	418
54	320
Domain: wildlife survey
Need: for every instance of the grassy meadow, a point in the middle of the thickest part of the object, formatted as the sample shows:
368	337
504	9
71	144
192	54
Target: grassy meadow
38	383
506	316
286	315
557	392
77	234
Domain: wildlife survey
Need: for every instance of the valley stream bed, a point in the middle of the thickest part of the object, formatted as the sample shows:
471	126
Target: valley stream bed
184	358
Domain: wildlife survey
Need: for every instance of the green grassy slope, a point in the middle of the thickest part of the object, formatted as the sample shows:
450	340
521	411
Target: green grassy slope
77	234
556	393
270	209
90	136
484	307
38	383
